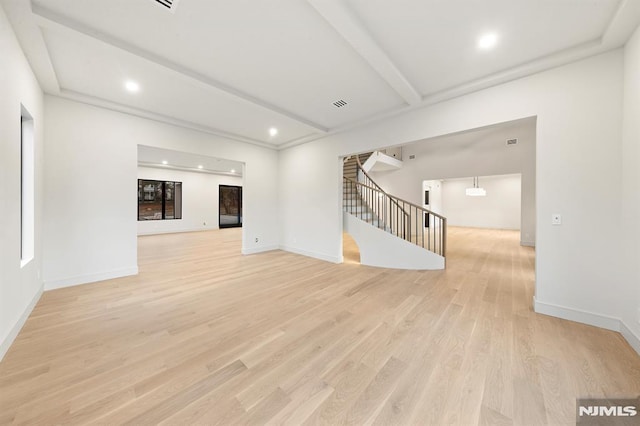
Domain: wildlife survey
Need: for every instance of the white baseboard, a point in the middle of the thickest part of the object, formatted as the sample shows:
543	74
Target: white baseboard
589	318
630	336
13	333
175	231
528	243
259	249
577	315
90	278
321	256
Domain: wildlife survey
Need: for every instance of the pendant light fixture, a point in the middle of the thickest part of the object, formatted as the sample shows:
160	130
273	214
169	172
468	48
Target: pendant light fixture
476	191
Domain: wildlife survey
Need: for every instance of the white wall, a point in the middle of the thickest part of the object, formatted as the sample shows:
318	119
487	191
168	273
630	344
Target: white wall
499	209
578	154
482	152
92	151
20	288
199	200
631	190
379	248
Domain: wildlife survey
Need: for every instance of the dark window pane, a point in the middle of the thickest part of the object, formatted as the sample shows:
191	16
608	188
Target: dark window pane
159	200
169	210
150	200
177	201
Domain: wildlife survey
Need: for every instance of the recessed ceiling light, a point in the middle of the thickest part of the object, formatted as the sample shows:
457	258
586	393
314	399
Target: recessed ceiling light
487	41
132	86
233	171
273	131
200	166
165	162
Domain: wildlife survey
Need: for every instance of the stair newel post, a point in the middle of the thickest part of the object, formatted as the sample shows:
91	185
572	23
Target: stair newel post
406	222
378	208
356	198
441	239
429	237
444	237
384	202
397	221
416	228
369	203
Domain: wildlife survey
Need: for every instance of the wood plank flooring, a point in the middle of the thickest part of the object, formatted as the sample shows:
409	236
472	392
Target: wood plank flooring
204	335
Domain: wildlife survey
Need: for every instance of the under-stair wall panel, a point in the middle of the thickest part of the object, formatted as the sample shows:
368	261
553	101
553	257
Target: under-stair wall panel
382	249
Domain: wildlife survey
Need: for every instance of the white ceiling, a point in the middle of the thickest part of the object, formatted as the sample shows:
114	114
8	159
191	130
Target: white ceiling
453	143
237	68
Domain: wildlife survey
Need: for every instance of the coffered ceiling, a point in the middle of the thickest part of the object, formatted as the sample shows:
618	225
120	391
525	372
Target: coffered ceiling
238	68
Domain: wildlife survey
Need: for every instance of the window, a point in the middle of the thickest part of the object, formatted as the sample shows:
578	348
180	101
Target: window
159	200
27	187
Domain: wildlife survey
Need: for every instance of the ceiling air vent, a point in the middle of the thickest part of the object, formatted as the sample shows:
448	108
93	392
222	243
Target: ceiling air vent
339	104
168	4
512	142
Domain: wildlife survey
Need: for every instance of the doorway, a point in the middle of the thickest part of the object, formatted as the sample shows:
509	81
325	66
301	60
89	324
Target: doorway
230	206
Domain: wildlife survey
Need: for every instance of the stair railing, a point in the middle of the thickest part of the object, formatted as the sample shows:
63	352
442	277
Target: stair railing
365	199
396	216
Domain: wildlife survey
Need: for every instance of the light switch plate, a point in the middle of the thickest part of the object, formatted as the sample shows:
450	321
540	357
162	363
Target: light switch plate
556	219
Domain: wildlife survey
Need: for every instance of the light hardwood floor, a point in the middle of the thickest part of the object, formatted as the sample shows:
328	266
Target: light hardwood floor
204	335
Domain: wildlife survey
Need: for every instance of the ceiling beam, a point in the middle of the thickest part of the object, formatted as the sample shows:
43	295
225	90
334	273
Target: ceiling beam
32	43
49	19
343	20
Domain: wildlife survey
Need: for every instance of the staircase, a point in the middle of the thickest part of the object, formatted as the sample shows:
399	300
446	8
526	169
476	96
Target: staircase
389	231
353	203
350	167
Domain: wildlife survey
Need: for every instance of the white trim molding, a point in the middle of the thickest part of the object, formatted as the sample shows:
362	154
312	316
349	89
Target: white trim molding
257	250
177	231
319	256
7	341
630	336
577	315
589	318
89	278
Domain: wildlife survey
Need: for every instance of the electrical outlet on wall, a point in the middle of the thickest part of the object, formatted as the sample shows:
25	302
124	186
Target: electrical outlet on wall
556	219
257	239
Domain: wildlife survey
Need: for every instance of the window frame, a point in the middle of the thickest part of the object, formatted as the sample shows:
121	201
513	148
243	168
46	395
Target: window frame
240	206
163	192
27	187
